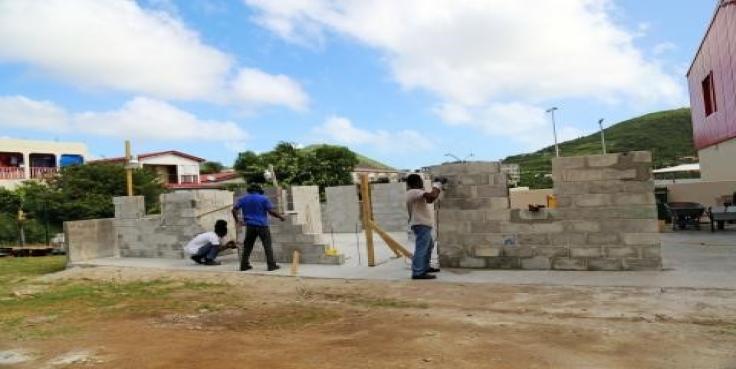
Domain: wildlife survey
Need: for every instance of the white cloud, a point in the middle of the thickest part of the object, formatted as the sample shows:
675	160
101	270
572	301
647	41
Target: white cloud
141	118
663	48
118	45
254	87
150	119
341	130
473	54
22	112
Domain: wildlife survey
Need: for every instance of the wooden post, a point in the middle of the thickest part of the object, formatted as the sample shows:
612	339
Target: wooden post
128	169
395	246
295	262
365	196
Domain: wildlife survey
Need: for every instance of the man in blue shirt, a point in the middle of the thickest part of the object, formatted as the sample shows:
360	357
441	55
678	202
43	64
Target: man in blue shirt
255	208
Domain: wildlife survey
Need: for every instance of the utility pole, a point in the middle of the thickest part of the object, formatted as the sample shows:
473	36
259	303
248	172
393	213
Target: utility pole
554	129
603	136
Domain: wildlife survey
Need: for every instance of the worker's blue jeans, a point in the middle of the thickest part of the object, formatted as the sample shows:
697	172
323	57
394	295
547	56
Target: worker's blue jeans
422	249
208	251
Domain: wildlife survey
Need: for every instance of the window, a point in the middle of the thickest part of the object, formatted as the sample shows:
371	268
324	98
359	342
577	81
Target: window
709	95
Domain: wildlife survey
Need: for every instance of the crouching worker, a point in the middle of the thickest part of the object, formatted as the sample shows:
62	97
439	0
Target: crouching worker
421	222
204	247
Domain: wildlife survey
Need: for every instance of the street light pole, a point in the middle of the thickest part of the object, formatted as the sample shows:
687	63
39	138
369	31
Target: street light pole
554	130
603	136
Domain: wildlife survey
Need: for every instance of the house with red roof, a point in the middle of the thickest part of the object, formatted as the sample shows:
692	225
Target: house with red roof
175	168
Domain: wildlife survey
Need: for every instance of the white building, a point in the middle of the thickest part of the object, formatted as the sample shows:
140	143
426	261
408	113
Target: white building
175	168
22	160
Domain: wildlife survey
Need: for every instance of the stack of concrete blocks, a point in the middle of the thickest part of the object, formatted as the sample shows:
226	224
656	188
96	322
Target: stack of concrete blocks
181	219
609	210
471	213
294	234
341	212
389	206
605	220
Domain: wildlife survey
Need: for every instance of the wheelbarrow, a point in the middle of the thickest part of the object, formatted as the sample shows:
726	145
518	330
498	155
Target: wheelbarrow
685	214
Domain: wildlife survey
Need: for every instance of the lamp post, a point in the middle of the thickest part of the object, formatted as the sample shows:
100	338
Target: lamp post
554	129
603	135
453	156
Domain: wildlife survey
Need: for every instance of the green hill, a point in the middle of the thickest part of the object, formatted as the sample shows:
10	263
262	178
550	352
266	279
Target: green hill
667	134
363	161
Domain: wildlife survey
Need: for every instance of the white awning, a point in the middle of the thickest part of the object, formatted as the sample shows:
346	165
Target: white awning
679	168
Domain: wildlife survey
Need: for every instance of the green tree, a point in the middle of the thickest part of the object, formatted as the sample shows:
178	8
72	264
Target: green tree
331	166
250	166
324	165
210	167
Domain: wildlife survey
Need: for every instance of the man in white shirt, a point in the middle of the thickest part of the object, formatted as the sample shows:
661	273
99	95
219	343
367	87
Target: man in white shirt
421	222
204	247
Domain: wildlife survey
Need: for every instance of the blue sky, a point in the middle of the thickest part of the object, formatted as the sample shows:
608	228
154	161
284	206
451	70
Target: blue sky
403	82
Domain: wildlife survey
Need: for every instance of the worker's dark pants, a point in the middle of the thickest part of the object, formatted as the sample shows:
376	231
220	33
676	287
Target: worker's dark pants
422	250
208	251
251	233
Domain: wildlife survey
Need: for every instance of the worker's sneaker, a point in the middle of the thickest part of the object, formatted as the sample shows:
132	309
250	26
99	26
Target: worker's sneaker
424	276
271	268
433	270
197	259
211	262
247	267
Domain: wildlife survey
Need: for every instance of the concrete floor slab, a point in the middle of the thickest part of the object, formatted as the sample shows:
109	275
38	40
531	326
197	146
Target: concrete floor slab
692	259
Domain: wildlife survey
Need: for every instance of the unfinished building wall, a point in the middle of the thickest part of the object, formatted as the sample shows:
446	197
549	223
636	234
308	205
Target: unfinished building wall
606	218
305	203
90	239
184	214
341	212
389	206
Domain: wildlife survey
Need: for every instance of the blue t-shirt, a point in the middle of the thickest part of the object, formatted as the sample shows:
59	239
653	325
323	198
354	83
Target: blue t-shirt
255	209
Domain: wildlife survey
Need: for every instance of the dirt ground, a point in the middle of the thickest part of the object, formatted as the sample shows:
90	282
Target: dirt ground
276	322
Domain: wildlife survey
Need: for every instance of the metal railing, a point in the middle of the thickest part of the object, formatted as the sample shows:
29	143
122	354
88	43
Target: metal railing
43	172
12	173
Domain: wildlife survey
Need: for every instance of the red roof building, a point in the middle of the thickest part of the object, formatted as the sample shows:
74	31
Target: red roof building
175	168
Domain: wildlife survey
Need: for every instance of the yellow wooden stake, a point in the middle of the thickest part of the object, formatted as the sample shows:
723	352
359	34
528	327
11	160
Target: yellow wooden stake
295	262
128	169
365	195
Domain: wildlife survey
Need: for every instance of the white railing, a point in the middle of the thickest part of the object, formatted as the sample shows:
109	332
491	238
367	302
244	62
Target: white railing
12	173
43	172
187	179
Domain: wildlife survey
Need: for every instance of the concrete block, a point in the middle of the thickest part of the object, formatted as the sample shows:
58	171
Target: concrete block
608	160
586	252
533	239
642	264
641	238
518	251
499	202
592	200
621	252
492	191
646	198
552	252
504	262
485	227
630	225
603	238
571	162
651	252
536	263
641	156
567	238
608	264
487	251
583	226
569	264
472	262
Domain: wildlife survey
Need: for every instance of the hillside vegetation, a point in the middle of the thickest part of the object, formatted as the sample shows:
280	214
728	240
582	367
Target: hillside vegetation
667	134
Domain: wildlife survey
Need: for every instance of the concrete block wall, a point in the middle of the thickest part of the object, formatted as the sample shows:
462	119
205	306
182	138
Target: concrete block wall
606	218
184	214
389	206
90	239
341	212
304	201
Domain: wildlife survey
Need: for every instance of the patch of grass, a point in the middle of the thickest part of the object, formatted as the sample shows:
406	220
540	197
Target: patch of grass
17	270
